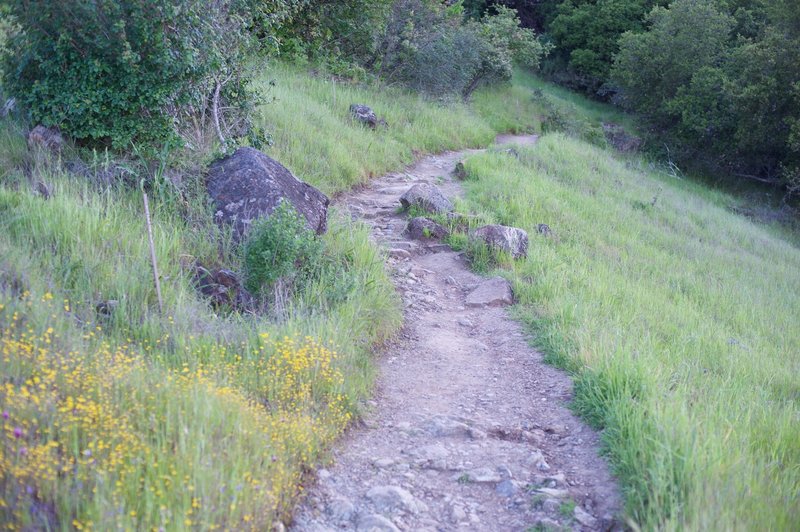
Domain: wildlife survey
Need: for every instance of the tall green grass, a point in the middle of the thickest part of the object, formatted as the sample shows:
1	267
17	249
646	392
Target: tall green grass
315	137
678	319
215	417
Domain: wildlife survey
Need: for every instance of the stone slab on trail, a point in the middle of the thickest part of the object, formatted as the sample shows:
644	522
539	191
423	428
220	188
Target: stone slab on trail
467	422
495	292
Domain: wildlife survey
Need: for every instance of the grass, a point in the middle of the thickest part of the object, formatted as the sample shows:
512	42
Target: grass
314	136
194	418
677	318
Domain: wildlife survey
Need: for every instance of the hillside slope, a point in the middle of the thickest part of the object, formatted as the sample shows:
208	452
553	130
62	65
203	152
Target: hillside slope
677	317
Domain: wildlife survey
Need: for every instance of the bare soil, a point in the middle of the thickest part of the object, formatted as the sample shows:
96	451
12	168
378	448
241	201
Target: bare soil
468	428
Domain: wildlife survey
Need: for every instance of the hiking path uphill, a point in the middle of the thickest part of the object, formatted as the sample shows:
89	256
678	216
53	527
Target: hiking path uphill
468	428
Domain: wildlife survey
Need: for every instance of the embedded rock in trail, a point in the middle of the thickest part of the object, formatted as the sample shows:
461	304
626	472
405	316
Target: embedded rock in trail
48	138
393	498
248	185
421	228
509	239
495	292
427	197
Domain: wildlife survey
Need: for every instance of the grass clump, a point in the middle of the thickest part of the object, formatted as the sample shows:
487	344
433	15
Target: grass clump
677	320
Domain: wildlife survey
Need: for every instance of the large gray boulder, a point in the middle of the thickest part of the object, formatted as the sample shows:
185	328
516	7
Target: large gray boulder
509	239
427	197
249	184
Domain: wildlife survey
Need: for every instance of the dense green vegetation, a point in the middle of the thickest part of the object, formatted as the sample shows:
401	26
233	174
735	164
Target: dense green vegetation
715	81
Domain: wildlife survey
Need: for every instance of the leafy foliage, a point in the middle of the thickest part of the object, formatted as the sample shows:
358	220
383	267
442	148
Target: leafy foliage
124	72
279	247
586	33
427	46
720	82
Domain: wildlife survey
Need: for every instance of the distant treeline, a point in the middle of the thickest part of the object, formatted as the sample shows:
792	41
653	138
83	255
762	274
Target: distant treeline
717	81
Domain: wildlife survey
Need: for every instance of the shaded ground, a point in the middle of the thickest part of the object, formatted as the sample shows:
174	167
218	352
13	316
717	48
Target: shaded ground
468	429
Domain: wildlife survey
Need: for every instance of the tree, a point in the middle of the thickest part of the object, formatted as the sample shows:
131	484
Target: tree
586	34
124	72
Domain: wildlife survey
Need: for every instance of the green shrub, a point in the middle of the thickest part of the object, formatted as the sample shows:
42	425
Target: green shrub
125	72
280	247
429	47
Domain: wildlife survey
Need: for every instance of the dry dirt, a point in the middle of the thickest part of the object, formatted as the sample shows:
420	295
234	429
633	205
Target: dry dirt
468	428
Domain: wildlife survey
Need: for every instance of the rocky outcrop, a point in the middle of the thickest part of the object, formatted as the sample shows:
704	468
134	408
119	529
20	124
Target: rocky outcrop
494	292
427	197
248	185
424	228
509	239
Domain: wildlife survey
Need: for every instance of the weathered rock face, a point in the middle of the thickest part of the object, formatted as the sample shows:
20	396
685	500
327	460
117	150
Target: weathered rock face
364	114
248	185
509	239
495	292
620	139
423	228
427	197
48	138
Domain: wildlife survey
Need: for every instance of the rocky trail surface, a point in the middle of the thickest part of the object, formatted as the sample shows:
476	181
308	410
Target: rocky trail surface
468	429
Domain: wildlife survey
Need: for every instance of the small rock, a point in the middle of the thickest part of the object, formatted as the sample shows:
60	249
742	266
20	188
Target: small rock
420	228
457	513
390	498
443	426
509	239
495	292
427	197
584	517
506	488
552	492
544	229
375	523
341	510
399	254
483	475
43	190
383	463
366	116
323	474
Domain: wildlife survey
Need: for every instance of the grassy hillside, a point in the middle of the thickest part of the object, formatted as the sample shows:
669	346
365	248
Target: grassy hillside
194	418
677	318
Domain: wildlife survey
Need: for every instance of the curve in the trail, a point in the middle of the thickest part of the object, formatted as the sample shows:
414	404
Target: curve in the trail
468	429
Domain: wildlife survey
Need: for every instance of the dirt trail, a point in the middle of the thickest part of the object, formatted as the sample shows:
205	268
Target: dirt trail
468	429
